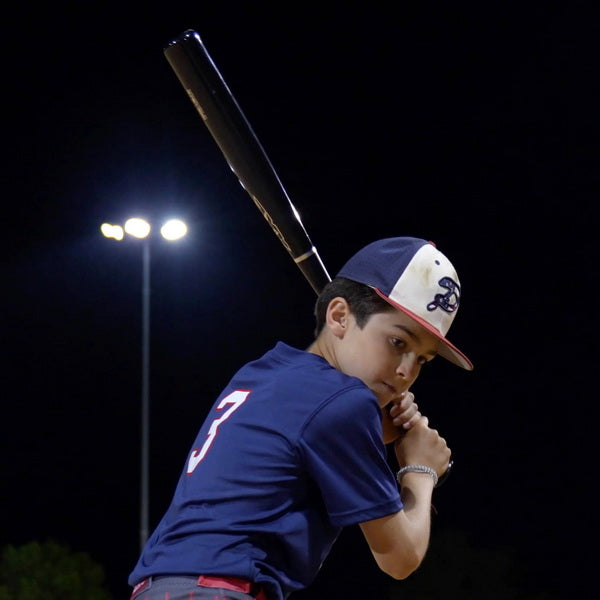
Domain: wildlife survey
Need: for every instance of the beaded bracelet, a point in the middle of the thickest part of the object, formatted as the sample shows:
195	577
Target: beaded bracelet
417	469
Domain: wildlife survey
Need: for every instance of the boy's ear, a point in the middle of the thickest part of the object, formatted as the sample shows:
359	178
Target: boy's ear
338	312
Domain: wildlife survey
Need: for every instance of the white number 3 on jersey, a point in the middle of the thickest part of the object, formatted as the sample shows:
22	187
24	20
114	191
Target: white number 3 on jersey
235	399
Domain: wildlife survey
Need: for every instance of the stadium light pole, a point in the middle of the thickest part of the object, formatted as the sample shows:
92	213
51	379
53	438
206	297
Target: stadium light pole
172	230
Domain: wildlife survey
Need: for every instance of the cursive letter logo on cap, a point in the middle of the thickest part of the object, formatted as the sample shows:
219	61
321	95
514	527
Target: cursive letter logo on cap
450	300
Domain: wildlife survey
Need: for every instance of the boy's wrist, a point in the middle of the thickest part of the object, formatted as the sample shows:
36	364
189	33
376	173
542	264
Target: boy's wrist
417	469
437	481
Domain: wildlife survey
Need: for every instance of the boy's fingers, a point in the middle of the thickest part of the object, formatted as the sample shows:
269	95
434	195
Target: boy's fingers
412	421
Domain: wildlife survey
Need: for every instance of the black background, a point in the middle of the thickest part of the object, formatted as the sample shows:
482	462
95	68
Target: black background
475	126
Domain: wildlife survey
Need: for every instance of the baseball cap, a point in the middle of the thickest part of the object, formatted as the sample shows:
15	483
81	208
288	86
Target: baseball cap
416	278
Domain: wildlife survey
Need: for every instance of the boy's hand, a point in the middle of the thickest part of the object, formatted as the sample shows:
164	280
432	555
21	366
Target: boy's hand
423	445
405	412
399	416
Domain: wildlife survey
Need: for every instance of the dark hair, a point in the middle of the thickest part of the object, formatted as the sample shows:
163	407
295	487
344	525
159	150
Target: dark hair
363	300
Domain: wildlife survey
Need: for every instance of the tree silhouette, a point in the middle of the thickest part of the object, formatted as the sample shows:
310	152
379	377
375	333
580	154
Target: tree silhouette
49	571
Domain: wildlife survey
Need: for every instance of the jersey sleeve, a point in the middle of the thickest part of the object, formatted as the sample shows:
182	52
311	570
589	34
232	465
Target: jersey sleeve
343	450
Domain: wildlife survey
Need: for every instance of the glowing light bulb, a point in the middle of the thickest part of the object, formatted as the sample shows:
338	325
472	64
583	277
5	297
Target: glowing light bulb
138	228
173	229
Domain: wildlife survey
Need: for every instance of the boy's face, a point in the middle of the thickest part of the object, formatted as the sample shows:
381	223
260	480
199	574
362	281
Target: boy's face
386	354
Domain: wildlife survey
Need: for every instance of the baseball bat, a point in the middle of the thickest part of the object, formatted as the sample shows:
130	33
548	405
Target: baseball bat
244	153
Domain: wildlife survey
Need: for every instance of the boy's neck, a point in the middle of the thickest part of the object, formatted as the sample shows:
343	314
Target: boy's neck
322	348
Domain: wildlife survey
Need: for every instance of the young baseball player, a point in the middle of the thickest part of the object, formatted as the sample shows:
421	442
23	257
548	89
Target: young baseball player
294	447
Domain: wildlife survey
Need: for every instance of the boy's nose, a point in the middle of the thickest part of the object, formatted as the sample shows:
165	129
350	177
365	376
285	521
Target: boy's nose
408	367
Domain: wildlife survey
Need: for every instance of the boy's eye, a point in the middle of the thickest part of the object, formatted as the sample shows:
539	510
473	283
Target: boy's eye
400	344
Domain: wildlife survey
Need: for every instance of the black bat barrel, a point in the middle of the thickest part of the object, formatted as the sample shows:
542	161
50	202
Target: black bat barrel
241	148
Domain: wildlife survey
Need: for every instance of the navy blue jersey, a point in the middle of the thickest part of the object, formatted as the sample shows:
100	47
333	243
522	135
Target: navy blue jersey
291	452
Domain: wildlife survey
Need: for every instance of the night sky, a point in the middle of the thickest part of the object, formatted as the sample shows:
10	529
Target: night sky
475	126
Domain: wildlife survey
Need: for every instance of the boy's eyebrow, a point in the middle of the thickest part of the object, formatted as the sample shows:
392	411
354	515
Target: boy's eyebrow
415	337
